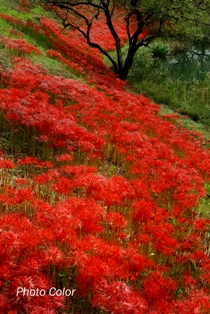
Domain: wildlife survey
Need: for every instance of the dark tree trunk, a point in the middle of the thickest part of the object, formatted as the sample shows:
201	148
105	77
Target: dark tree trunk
123	73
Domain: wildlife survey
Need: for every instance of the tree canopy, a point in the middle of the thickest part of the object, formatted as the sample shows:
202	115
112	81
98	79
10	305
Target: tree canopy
143	20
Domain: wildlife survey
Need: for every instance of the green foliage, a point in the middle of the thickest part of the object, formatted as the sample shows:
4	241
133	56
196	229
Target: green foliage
203	208
12	8
159	49
142	64
37	39
54	66
4	27
188	97
5	58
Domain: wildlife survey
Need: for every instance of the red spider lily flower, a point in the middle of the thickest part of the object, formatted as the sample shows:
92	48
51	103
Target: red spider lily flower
5	271
46	234
188	280
116	220
157	287
85	146
85	214
4	199
53	255
117	297
62	186
141	190
2	302
78	170
189	242
12	19
137	263
44	217
199	257
6	164
29	161
143	211
59	143
115	191
20	181
10	242
122	235
20	45
16	32
50	175
22	195
200	224
91	182
102	248
61	218
196	302
47	164
9	198
42	178
94	269
162	238
43	138
64	157
22	233
205	277
144	238
40	310
20	299
28	267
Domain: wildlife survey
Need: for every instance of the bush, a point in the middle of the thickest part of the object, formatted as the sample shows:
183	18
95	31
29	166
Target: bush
159	50
142	64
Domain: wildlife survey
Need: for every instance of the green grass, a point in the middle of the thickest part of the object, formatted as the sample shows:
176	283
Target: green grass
37	39
149	75
187	123
5	57
54	66
40	41
4	27
10	7
203	208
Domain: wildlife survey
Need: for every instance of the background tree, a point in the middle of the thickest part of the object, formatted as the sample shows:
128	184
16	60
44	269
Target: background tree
144	21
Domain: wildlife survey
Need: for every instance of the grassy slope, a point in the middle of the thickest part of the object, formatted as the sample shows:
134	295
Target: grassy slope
190	99
56	67
170	100
53	66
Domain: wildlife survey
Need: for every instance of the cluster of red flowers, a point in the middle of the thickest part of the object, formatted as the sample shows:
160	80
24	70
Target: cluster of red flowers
19	45
112	211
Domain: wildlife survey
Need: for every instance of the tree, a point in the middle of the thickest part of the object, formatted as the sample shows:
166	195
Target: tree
144	20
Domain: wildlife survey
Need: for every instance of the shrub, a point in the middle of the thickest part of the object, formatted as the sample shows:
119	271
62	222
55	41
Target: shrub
159	50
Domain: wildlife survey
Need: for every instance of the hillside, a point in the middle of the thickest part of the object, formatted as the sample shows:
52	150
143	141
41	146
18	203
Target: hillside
101	195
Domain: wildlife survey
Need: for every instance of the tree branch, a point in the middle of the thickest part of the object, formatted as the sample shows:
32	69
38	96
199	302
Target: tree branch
86	34
127	20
